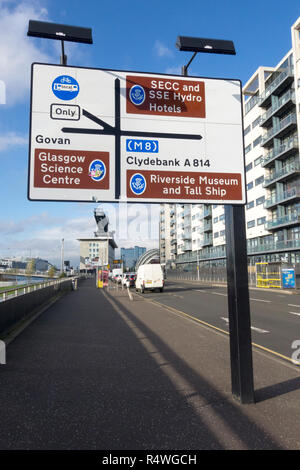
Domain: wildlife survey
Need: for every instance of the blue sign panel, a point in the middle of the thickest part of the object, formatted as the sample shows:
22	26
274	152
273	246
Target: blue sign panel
137	95
138	183
145	146
65	87
288	278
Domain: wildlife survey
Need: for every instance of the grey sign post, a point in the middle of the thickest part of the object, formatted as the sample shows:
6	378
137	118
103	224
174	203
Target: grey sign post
236	260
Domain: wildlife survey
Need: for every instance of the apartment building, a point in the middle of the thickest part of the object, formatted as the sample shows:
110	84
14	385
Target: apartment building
271	104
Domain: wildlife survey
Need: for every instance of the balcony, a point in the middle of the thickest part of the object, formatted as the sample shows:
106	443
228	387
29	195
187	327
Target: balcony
205	227
283	151
286	220
286	172
285	126
186	246
187	211
283	198
273	247
284	79
174	242
206	213
283	105
186	236
207	240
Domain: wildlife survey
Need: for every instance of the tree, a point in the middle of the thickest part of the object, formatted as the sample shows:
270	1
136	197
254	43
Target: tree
51	271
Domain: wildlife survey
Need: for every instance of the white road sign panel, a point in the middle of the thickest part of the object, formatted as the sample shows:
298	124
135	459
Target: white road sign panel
108	135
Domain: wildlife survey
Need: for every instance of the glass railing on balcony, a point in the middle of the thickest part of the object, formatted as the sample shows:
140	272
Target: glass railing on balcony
174	242
284	196
206	213
207	240
276	83
186	246
274	246
285	171
290	95
285	147
288	219
290	119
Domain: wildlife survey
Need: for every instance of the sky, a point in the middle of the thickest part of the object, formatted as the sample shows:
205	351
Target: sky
133	35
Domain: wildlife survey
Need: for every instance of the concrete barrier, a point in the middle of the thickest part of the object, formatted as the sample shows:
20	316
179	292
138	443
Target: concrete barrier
18	308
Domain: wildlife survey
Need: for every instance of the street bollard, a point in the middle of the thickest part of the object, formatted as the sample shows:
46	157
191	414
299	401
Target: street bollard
2	353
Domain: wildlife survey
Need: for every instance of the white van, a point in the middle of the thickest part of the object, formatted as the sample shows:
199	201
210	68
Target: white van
149	276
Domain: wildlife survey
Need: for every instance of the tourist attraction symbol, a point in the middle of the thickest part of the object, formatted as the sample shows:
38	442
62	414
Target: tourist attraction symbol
105	135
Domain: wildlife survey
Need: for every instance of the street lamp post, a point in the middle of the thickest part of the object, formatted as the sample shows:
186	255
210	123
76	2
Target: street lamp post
236	254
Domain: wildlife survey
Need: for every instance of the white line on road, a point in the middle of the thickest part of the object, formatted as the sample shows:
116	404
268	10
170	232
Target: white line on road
261	300
218	293
293	305
259	330
295	313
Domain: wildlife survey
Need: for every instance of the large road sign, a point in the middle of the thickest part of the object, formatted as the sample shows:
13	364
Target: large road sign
107	135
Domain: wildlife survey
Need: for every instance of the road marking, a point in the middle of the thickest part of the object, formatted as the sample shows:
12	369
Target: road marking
259	330
292	305
261	300
295	313
218	293
201	322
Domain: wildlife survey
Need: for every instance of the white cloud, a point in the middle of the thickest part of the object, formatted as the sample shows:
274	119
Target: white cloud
11	139
176	70
162	50
17	51
41	234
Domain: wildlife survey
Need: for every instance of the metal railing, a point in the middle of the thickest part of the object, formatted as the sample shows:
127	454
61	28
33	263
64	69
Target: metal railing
272	87
286	170
7	294
274	153
290	119
284	196
290	95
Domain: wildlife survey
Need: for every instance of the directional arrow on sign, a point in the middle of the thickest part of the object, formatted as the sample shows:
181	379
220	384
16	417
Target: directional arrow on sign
116	131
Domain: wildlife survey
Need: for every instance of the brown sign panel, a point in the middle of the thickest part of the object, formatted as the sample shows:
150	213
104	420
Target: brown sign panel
187	185
165	96
57	168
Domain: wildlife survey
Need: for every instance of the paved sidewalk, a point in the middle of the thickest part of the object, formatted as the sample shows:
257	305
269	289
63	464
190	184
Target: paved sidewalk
98	371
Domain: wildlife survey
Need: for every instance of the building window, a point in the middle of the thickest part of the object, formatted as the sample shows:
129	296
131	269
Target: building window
257	141
249	185
216	234
261	220
256	122
249	167
250	205
260	200
247	130
247	149
259	180
258	160
216	220
251	224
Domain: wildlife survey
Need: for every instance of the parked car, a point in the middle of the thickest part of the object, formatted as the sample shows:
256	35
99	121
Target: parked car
128	279
149	277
